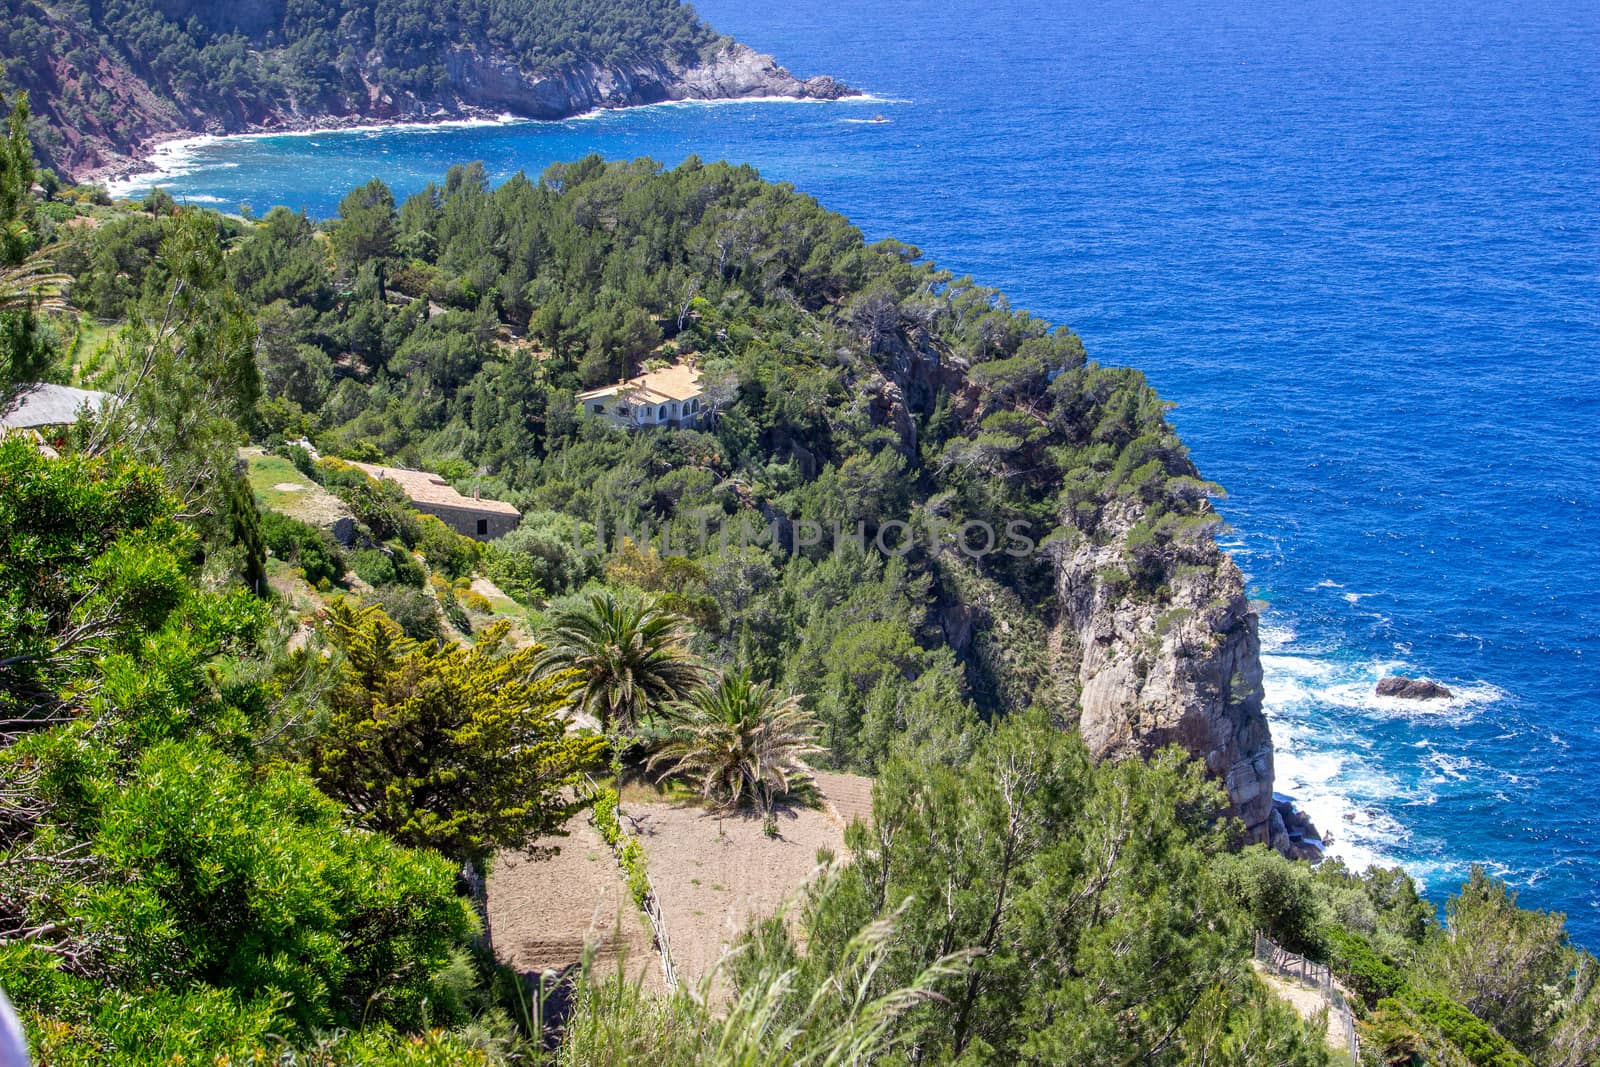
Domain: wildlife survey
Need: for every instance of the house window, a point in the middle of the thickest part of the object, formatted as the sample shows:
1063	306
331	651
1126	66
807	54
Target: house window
599	409
483	527
622	409
662	413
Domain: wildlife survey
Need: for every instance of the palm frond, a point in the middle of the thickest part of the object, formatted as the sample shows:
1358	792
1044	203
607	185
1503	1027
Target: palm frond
33	285
740	737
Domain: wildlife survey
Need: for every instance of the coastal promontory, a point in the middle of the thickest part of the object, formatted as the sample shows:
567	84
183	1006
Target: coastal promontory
109	81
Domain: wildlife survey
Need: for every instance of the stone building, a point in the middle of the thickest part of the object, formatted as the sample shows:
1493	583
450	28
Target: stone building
432	495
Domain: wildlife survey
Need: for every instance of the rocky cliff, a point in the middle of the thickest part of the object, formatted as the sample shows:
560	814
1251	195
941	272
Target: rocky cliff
1183	669
498	83
98	108
1134	668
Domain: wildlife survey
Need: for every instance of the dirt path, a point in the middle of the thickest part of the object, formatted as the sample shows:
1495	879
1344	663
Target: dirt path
541	911
1305	1000
713	875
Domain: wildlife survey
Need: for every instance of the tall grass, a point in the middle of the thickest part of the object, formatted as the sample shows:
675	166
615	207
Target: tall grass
768	1022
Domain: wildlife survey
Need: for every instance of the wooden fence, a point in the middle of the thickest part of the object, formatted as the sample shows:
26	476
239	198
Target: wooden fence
1310	973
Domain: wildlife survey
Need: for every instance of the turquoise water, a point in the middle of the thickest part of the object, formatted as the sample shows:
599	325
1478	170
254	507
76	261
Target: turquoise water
1358	244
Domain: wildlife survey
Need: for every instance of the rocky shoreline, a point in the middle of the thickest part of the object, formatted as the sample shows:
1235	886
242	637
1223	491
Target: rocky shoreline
482	88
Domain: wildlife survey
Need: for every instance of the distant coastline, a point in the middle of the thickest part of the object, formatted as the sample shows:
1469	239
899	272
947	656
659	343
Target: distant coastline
483	90
169	154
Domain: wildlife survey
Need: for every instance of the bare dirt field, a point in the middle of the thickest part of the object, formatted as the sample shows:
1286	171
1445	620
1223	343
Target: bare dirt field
541	911
850	795
714	873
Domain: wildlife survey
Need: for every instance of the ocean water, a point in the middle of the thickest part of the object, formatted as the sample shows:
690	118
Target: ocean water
1358	244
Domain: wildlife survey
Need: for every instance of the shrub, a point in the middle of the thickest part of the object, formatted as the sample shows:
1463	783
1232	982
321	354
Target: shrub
629	855
308	547
545	555
449	605
446	551
1353	959
1278	895
414	611
407	571
374	567
381	506
1432	1015
604	813
301	459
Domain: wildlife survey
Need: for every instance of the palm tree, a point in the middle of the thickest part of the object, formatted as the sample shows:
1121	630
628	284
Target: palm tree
740	737
632	656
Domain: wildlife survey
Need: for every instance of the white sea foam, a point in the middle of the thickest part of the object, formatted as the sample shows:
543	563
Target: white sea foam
1275	635
1299	666
1333	781
180	156
1466	699
736	101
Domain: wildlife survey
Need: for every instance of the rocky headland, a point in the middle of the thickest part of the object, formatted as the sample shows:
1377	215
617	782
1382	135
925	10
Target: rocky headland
134	112
1134	673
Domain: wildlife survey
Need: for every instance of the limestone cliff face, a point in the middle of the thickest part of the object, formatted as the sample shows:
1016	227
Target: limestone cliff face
1135	670
1184	669
490	81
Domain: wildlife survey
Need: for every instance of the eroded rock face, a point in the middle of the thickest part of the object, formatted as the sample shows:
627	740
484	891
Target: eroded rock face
1141	670
1412	689
498	82
1184	669
480	81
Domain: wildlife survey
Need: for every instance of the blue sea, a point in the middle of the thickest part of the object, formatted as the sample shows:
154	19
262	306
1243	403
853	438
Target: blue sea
1358	245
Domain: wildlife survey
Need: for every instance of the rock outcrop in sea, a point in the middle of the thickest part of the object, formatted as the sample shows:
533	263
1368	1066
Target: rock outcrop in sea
1412	688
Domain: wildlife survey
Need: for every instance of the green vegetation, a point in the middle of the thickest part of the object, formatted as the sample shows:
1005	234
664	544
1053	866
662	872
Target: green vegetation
854	388
307	547
606	812
454	749
631	658
1084	894
1495	984
245	61
167	884
242	828
739	740
28	286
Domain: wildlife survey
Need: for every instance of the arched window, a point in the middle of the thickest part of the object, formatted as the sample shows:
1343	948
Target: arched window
662	413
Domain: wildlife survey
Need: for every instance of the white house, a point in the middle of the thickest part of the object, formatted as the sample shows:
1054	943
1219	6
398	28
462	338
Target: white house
670	396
